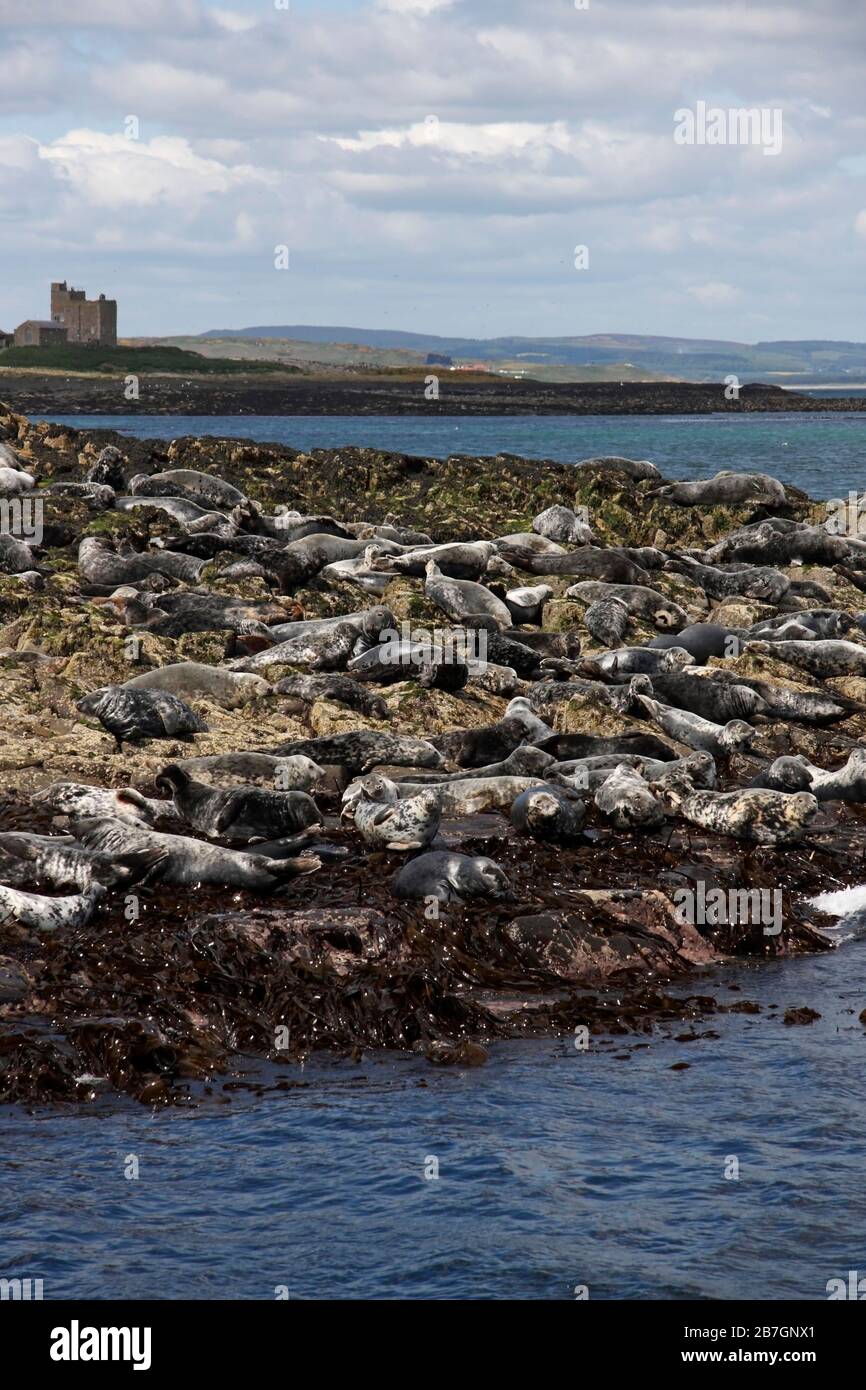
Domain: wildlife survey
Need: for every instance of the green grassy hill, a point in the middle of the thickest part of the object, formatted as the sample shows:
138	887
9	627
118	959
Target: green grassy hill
74	357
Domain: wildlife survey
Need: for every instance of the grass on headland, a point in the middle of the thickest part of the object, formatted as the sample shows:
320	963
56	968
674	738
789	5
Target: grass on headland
75	357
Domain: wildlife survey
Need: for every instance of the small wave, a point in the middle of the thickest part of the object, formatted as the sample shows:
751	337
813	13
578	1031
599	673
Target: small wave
843	902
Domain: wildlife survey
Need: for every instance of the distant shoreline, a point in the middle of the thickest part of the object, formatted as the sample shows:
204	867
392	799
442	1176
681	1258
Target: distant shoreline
40	394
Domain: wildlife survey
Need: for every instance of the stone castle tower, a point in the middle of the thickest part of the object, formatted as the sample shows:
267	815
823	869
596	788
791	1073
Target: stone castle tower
89	321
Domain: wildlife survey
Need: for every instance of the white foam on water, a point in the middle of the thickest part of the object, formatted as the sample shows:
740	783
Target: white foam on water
843	902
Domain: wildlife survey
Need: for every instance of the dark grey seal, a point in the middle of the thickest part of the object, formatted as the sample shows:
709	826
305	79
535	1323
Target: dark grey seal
450	877
130	715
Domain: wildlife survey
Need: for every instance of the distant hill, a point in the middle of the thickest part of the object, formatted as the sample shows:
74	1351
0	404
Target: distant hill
690	359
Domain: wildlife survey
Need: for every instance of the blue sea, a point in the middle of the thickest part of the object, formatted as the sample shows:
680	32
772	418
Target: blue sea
739	1176
824	454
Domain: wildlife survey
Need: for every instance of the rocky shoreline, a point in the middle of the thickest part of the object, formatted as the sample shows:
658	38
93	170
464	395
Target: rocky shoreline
162	991
34	393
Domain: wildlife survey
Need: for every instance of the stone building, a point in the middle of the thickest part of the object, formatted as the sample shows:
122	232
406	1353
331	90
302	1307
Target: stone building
89	321
39	333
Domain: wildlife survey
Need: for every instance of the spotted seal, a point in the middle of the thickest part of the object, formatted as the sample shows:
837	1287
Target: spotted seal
387	821
450	878
460	598
187	482
624	662
99	565
296	773
791	774
718	701
764	584
47	914
765	817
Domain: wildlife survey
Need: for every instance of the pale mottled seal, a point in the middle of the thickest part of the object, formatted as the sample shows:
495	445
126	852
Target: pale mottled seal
547	813
386	821
456	560
820	658
14	481
47	914
193	680
562	524
766	817
471	795
283	774
805	624
188	862
640	600
81	800
130	715
450	877
627	801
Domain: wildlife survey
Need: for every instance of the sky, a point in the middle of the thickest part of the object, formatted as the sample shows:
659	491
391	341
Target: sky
432	165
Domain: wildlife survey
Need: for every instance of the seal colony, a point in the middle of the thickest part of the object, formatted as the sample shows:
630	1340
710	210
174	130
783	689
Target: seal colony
331	751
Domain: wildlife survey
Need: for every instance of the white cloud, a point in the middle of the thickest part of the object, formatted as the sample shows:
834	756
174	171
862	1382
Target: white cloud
113	172
714	292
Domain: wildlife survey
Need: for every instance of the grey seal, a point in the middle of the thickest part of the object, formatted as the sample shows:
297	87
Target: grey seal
698	733
715	700
386	821
60	863
460	598
610	564
81	800
187	862
99	565
778	541
343	690
702	640
547	813
47	914
726	488
451	878
559	523
821	658
131	715
187	482
456	560
194	680
764	584
765	817
628	802
606	620
792	774
526	605
240	814
641	661
296	773
640	600
636	469
363	749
